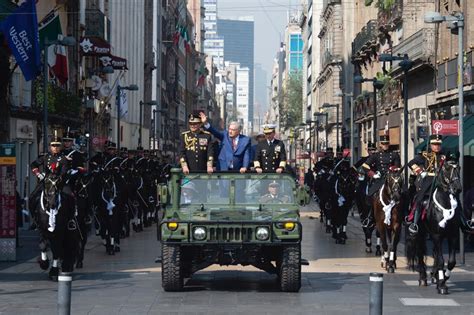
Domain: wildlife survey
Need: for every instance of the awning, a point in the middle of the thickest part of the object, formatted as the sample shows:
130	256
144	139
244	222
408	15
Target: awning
94	46
451	143
118	63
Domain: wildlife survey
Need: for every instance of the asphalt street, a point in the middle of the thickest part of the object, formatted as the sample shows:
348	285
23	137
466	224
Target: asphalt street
335	282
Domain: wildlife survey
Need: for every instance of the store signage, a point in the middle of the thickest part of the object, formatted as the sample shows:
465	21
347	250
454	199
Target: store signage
445	127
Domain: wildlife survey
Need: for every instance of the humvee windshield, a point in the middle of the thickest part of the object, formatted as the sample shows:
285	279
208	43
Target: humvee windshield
247	191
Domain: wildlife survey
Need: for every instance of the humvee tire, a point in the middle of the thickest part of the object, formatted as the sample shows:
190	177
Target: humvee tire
290	269
171	269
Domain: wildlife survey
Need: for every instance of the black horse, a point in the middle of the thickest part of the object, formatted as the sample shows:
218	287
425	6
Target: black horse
441	221
388	217
342	200
57	226
364	207
322	189
84	211
109	211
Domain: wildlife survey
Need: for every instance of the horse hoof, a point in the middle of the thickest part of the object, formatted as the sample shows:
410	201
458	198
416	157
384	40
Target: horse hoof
110	250
368	250
378	252
443	291
328	229
434	280
321	219
79	265
342	241
344	235
423	283
117	249
391	269
53	273
44	264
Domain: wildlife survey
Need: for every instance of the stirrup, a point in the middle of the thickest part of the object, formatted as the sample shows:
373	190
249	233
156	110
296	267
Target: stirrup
407	219
470	224
413	228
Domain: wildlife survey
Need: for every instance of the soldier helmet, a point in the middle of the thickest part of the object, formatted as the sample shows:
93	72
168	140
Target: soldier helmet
384	139
269	128
139	149
339	150
329	150
146	151
68	136
436	139
55	140
110	145
194	117
123	150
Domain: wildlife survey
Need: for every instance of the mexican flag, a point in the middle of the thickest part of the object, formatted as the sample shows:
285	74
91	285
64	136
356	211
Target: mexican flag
50	28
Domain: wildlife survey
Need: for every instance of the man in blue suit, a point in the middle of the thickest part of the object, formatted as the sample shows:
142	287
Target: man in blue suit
235	151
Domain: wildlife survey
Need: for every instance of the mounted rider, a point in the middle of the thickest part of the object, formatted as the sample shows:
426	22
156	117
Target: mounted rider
75	157
426	166
377	165
326	164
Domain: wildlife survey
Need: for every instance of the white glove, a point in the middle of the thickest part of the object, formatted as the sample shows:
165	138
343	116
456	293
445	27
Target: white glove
73	172
40	176
377	175
423	174
331	172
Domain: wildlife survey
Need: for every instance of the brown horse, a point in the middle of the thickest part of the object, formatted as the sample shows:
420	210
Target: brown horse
386	205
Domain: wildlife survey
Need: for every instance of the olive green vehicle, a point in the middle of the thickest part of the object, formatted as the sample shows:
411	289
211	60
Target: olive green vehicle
230	219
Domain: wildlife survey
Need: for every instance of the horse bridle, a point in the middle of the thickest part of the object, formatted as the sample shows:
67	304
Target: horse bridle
82	192
447	180
54	186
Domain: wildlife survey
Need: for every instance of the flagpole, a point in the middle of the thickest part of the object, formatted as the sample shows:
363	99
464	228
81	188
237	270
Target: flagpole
45	96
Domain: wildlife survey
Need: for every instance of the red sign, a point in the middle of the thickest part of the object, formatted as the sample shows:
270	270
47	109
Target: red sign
445	127
98	141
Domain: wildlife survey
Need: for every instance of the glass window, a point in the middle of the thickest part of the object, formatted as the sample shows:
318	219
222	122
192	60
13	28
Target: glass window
264	191
204	191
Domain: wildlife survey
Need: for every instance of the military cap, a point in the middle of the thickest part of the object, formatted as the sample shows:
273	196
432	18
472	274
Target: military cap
194	117
123	150
329	149
371	146
55	140
139	148
274	184
146	151
339	150
259	136
436	139
384	139
110	145
68	136
269	128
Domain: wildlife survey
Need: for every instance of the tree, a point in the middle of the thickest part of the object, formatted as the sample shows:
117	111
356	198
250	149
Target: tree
290	107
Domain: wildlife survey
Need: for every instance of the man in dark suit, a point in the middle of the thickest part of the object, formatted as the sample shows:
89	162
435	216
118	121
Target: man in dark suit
270	155
235	151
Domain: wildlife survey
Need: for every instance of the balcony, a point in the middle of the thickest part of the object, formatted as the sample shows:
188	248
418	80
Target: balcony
388	20
328	58
365	43
97	24
419	47
327	3
447	74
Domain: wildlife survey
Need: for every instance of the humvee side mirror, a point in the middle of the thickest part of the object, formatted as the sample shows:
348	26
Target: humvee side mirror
163	193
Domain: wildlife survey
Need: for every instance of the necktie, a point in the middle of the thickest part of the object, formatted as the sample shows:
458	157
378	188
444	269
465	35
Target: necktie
234	143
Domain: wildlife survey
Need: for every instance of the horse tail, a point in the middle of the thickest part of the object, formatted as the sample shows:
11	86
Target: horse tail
415	248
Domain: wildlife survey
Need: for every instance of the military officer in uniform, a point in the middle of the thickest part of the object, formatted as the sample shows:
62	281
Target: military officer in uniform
75	157
326	164
425	165
111	160
378	164
270	154
196	152
51	162
273	195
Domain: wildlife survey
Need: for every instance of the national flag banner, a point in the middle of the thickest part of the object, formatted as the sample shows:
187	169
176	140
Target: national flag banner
21	31
50	28
123	103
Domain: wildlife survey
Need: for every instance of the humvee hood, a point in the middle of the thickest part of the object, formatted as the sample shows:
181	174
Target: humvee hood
249	214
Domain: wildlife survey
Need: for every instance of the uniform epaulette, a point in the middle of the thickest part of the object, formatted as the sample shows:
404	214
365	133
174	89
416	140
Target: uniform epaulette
426	154
206	132
185	132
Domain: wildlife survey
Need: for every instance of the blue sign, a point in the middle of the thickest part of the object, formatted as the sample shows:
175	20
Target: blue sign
21	30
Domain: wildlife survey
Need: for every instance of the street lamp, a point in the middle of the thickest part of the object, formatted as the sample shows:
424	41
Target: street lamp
456	24
326	116
150	103
327	105
131	87
64	41
405	64
377	85
351	126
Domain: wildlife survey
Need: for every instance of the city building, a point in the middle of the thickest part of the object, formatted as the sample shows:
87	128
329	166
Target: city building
213	42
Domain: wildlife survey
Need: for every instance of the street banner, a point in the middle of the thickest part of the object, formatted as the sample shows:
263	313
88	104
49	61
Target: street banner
7	202
445	127
123	103
21	31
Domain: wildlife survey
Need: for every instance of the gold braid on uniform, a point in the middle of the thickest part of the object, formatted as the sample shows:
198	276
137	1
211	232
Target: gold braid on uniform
431	158
190	142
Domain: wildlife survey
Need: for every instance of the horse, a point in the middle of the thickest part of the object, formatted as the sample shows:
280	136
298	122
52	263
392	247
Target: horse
387	214
323	193
344	192
84	211
364	206
57	227
441	221
109	212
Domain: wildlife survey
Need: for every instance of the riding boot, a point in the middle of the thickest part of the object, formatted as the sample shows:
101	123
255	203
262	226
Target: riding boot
413	228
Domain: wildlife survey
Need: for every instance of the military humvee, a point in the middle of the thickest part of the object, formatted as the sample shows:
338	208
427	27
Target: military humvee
230	219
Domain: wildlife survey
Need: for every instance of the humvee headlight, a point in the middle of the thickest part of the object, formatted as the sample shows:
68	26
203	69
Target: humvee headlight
289	226
199	233
172	226
262	233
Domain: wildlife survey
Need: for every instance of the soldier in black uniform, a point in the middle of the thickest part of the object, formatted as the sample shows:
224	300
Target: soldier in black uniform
377	165
51	162
326	164
75	158
196	151
371	149
270	154
111	160
425	165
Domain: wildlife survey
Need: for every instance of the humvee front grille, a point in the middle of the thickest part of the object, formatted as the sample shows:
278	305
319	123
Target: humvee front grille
230	234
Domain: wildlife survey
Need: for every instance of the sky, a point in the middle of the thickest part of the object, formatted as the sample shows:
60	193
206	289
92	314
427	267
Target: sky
270	20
